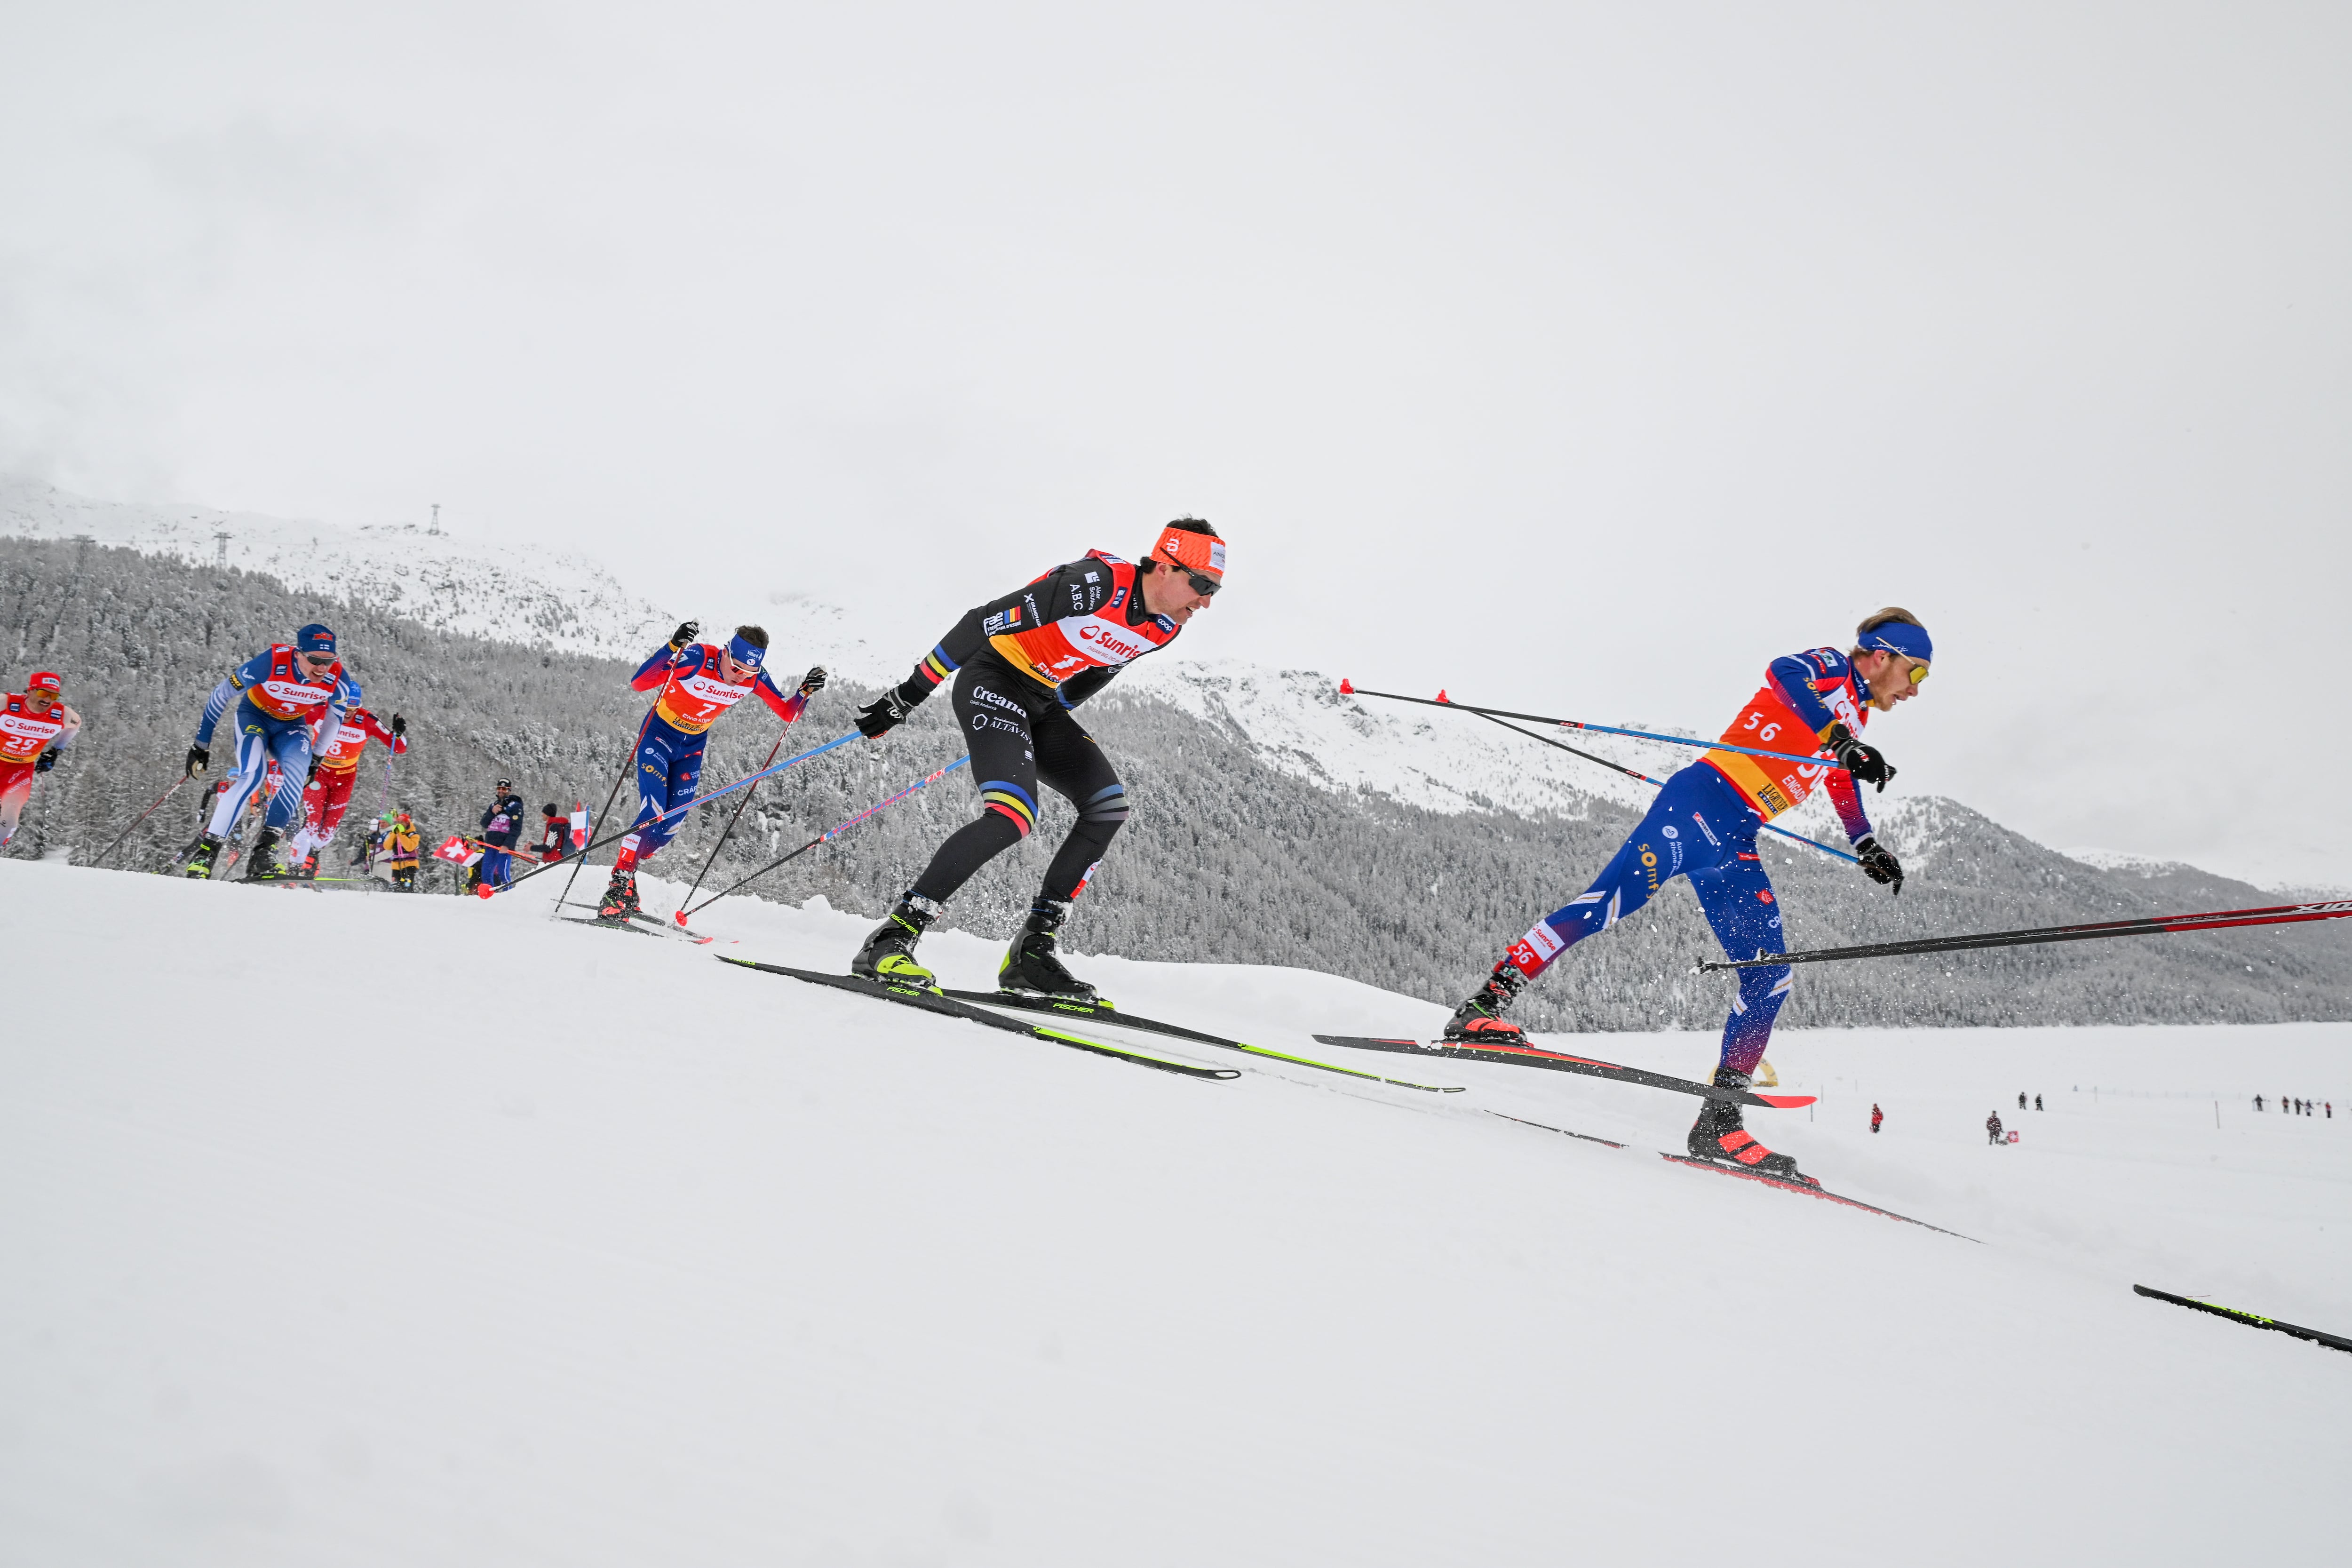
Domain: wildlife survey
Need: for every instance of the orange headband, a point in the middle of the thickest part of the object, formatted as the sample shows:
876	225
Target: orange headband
1199	551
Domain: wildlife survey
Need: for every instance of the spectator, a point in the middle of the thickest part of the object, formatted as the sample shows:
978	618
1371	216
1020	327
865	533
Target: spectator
405	843
2021	1099
2037	1102
1992	1128
1876	1116
501	830
2258	1103
554	834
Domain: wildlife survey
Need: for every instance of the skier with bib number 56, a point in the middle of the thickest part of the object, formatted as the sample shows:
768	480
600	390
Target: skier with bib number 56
1020	663
1703	825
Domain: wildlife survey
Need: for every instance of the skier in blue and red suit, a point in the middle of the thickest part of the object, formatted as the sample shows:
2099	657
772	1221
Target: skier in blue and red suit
1703	825
698	681
288	695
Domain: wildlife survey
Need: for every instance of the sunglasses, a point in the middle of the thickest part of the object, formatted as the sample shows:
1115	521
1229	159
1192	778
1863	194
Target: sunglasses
1202	584
318	660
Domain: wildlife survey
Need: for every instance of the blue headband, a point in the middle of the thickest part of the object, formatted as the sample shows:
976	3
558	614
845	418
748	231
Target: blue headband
315	638
745	654
1905	637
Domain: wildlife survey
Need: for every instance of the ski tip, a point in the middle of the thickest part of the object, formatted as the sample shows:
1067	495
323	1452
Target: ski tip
1347	687
1788	1102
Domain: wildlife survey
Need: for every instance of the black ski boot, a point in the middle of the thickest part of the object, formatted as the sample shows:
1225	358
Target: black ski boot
1479	1021
200	860
889	951
620	900
1718	1135
262	865
1032	966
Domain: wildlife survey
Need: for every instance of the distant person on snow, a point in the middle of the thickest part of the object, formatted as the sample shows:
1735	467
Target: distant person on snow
2037	1102
1876	1116
35	726
501	831
1703	825
1992	1128
555	834
2258	1103
404	844
333	772
1021	664
698	682
2021	1099
287	696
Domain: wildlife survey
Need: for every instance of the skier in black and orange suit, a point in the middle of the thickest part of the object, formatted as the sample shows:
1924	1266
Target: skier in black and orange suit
1021	664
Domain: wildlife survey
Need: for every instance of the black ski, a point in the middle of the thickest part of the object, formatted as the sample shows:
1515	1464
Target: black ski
647	924
935	1001
2251	1320
1810	1188
1559	1062
1104	1012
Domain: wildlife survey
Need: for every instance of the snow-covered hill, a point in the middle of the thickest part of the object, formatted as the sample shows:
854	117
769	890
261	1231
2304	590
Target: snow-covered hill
552	1245
548	600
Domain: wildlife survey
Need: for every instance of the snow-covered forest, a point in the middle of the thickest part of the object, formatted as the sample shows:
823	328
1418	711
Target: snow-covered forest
1230	859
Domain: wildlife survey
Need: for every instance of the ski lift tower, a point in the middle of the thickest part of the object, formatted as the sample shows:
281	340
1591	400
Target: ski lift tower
220	548
436	529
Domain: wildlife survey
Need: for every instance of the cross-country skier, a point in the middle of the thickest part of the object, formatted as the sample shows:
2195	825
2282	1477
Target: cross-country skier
35	726
1876	1116
1703	825
698	681
1992	1128
287	696
334	771
501	831
1021	664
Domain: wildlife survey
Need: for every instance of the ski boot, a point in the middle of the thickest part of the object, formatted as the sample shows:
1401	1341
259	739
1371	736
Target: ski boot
262	865
1479	1021
200	860
620	900
1030	966
1718	1136
889	951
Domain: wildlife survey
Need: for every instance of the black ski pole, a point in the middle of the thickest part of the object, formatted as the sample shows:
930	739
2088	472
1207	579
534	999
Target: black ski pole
827	837
135	821
2251	1320
728	832
627	758
2148	925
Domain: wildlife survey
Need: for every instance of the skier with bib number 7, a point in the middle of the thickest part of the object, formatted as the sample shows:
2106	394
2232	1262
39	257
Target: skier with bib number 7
1703	825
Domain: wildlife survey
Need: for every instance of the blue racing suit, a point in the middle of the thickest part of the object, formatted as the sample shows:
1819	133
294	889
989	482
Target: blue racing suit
1698	827
278	706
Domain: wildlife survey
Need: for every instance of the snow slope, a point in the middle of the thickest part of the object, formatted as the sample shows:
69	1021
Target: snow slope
540	599
353	1228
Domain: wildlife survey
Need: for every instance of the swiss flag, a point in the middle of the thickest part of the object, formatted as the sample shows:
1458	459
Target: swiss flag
458	850
580	824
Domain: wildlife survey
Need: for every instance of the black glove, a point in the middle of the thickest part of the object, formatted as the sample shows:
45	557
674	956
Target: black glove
199	759
313	771
1864	763
687	632
49	760
399	725
813	681
1878	862
887	712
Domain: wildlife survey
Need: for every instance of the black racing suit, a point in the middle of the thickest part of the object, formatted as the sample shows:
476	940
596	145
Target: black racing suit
1021	732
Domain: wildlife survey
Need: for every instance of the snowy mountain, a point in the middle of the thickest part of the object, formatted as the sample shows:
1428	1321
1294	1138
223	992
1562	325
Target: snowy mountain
560	602
556	1244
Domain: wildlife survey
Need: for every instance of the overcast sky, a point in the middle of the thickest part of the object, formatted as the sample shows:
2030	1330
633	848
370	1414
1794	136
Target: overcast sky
1578	359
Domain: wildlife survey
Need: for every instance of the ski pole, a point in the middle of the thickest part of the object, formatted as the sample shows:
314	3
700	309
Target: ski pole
1441	701
581	860
690	805
2149	925
741	807
829	834
1655	783
2251	1320
139	818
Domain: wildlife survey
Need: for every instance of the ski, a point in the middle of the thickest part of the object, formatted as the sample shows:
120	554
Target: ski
1105	1012
946	1006
648	924
1558	1061
606	925
2251	1320
1809	1188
